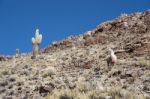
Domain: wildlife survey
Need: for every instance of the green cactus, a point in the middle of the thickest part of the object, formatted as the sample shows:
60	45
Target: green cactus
36	41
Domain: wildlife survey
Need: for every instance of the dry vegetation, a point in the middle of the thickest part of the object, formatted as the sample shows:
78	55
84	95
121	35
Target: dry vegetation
76	67
113	93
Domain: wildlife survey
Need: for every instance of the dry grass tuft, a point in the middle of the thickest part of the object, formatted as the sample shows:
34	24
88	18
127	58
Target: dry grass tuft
49	72
144	63
113	93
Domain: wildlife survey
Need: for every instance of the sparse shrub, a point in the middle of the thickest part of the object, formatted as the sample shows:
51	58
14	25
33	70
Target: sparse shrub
113	93
96	95
82	86
3	83
49	72
65	96
119	93
4	72
36	42
144	63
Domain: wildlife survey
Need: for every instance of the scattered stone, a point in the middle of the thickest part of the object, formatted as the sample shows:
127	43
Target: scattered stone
2	90
46	88
3	83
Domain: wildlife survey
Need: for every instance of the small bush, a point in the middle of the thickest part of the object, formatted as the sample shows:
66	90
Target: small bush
82	85
4	72
113	93
144	63
49	72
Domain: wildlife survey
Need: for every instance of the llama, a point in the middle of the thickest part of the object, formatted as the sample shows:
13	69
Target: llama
112	58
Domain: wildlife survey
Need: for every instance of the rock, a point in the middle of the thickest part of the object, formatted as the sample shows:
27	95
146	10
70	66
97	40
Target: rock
19	83
46	88
3	83
96	69
125	75
10	92
10	86
115	72
25	67
146	79
2	90
12	79
146	87
71	85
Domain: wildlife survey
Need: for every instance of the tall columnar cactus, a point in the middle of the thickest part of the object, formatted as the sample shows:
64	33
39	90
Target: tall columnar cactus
17	53
36	41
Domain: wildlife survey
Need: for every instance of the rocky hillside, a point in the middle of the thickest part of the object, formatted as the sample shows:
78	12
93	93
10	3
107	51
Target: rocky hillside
76	68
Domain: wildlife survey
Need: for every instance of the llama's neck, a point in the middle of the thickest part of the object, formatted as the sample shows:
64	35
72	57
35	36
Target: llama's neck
111	52
113	57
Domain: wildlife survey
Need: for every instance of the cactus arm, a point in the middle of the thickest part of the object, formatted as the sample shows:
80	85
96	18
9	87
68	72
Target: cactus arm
33	40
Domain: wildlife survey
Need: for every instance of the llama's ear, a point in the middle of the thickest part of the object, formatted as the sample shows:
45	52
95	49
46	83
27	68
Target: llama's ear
109	49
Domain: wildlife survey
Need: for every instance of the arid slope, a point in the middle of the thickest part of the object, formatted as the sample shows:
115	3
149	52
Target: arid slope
78	64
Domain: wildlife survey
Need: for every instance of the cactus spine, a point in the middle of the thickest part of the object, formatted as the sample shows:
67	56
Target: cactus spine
36	41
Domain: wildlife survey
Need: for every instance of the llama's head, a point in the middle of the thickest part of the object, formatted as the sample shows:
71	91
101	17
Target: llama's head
110	50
